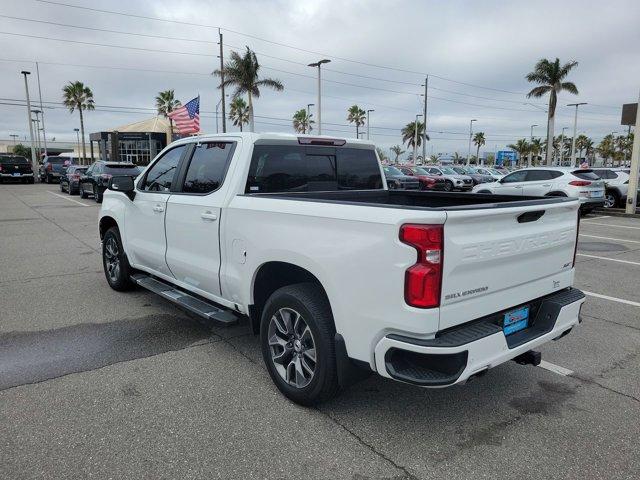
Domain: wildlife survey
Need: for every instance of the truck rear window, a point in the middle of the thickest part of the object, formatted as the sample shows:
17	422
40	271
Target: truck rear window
14	160
296	168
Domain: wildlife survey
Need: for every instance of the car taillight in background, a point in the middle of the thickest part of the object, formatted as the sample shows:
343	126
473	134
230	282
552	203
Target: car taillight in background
106	176
579	183
49	167
423	280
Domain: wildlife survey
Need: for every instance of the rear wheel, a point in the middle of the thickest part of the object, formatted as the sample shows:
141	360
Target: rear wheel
448	186
83	194
611	199
297	340
116	266
97	195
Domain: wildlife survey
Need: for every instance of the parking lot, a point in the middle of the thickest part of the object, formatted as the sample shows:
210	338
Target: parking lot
98	383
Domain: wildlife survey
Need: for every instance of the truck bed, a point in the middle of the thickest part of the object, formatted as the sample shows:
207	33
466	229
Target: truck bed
418	200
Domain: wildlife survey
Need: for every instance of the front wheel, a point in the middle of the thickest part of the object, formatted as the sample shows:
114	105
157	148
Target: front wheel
448	186
97	195
116	266
297	336
610	200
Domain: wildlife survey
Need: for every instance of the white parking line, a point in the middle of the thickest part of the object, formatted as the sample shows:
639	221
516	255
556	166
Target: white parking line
595	218
555	368
609	225
608	258
67	198
613	299
609	238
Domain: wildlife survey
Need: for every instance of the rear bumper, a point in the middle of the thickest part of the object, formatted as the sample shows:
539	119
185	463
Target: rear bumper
458	353
588	203
20	175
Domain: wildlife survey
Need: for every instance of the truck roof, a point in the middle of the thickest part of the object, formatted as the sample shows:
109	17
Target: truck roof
276	136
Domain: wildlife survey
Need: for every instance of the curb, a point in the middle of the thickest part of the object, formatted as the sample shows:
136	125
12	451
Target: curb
617	212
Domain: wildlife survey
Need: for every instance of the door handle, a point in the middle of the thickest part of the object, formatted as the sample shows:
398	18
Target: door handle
208	215
517	186
546	184
158	209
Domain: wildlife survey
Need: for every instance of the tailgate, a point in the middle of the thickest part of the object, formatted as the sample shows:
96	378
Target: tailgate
502	257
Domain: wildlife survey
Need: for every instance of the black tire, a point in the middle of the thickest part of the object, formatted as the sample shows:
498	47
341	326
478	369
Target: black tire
611	199
118	274
61	187
31	180
448	186
97	196
313	306
83	194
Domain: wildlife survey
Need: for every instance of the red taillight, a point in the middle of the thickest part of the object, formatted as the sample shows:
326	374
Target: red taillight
49	167
423	280
75	176
579	183
106	176
575	248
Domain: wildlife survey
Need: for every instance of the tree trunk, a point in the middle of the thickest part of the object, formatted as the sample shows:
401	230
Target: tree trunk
84	150
171	127
550	125
357	131
251	124
478	155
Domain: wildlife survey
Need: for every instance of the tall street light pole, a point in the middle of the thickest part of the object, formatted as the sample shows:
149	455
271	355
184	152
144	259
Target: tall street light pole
470	137
319	101
562	145
368	111
37	113
424	112
635	164
14	136
44	132
34	164
415	138
575	131
531	140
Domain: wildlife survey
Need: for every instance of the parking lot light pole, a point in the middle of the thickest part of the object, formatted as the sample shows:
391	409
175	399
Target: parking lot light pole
368	111
531	139
470	136
77	130
319	104
44	131
415	138
34	164
575	131
635	164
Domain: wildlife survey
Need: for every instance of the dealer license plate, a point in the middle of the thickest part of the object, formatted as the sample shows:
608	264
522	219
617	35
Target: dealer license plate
515	320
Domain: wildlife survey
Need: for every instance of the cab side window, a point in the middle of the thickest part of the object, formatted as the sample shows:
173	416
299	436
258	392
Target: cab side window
538	175
515	177
207	167
160	177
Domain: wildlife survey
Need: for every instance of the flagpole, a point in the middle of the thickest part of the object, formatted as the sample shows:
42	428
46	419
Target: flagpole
224	114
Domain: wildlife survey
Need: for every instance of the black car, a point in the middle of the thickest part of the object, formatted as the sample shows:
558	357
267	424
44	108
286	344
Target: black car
70	178
14	167
398	180
96	179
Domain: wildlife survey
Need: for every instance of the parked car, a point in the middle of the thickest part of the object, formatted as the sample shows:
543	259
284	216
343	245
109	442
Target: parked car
491	172
617	185
452	179
551	182
70	178
338	274
398	180
427	182
15	167
52	167
472	172
95	180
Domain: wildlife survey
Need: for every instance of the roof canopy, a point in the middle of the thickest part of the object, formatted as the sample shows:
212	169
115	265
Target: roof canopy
157	124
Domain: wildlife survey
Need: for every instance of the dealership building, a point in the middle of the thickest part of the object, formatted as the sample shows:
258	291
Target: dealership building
137	142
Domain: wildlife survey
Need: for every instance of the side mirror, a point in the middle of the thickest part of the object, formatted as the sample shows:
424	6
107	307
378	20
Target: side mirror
123	184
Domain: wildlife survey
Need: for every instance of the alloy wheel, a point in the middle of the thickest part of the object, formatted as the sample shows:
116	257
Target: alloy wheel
292	346
112	259
609	201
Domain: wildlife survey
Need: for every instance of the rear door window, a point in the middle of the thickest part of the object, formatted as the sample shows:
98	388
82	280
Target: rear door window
207	167
125	169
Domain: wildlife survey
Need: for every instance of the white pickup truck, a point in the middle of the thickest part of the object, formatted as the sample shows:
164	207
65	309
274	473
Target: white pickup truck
338	275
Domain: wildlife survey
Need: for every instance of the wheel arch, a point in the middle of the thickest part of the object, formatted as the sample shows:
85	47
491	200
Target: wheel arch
106	223
556	193
271	276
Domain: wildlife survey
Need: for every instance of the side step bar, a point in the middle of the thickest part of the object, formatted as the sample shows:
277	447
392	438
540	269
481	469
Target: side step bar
200	307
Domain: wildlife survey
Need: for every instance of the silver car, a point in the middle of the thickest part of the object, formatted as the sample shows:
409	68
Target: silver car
452	179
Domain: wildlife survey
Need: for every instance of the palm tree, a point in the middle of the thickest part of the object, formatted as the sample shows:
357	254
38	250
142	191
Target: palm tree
397	151
356	115
238	112
433	158
242	72
381	155
536	146
606	148
521	146
479	141
167	103
456	158
581	142
409	134
302	121
550	75
77	96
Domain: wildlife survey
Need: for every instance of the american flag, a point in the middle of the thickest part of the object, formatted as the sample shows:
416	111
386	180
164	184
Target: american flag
187	117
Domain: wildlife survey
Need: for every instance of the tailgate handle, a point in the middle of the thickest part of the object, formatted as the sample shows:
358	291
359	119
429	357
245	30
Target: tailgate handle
530	216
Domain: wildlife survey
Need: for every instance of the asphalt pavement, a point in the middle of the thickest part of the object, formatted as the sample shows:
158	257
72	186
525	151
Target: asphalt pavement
95	383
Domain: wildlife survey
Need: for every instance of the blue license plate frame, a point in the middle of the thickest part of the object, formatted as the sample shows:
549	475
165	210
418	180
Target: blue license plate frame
515	320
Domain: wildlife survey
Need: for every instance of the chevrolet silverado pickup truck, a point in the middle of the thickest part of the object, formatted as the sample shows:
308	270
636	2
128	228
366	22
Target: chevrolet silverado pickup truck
299	236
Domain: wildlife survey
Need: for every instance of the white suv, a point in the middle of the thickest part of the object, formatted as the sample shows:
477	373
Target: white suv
552	182
616	185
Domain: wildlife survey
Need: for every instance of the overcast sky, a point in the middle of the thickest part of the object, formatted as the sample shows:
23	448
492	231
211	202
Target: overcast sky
486	48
